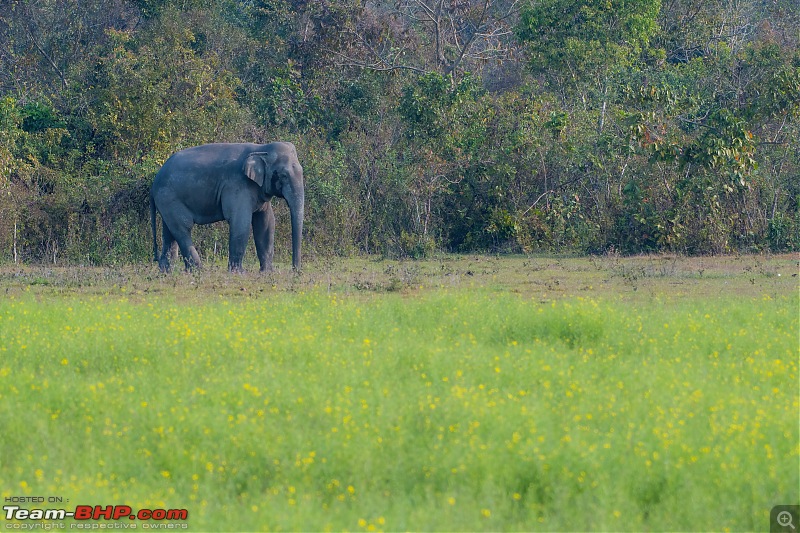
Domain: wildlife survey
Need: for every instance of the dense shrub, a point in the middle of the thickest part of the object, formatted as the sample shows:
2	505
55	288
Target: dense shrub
630	126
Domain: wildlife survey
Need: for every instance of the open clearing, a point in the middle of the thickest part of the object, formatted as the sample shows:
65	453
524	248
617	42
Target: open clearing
456	393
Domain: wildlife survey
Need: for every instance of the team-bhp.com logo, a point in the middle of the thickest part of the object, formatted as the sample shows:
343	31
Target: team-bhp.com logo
89	516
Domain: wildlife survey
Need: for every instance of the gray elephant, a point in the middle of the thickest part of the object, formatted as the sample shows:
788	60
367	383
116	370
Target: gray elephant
234	182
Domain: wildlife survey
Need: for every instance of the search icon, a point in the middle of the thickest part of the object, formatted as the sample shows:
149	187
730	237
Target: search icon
785	519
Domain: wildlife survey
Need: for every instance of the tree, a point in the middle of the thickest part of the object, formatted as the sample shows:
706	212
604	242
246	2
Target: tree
721	115
582	45
152	94
638	125
448	37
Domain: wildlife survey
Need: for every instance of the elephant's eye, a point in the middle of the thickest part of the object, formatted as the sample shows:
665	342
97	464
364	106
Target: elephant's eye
276	181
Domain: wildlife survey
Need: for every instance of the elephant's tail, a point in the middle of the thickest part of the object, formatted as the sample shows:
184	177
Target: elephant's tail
153	225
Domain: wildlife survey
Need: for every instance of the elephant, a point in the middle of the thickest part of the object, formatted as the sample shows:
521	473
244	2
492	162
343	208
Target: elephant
230	181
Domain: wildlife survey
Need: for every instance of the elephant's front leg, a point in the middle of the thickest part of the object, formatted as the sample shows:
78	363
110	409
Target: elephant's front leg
264	236
239	233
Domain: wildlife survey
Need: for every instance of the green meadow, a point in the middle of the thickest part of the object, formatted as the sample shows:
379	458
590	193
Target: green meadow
451	394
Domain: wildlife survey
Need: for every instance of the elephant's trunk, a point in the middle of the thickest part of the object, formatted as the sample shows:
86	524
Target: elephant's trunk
296	203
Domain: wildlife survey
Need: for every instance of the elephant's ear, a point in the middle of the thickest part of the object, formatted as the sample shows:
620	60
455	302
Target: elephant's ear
254	169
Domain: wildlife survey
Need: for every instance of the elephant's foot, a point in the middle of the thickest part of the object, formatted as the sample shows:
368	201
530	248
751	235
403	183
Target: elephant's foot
191	259
236	268
164	266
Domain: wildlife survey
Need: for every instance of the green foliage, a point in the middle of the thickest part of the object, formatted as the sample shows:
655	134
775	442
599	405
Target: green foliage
286	105
40	116
154	94
431	107
783	233
585	40
10	133
629	115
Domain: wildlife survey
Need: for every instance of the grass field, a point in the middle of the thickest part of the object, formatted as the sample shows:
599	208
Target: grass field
459	393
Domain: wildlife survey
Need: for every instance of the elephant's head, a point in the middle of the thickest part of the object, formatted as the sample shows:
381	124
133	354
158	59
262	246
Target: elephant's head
278	172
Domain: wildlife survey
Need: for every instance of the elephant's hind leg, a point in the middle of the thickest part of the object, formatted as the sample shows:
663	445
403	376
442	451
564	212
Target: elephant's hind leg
168	251
190	256
181	233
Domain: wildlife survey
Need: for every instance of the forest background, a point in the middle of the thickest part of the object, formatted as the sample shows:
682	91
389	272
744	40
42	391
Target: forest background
623	126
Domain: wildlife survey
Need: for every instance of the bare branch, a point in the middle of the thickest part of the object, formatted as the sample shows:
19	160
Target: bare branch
379	63
457	34
44	54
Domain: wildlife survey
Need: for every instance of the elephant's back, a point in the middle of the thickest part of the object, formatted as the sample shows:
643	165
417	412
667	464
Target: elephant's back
210	154
203	159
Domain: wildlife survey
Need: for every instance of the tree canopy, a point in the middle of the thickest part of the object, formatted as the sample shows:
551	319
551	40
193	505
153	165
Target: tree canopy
461	125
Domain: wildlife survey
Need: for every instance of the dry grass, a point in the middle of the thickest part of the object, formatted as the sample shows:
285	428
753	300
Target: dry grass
543	277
